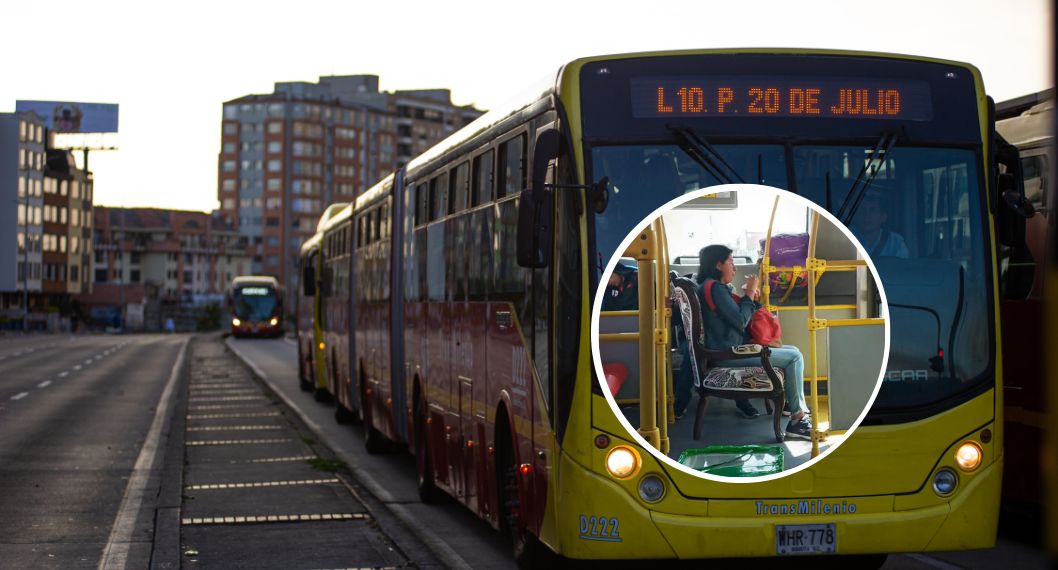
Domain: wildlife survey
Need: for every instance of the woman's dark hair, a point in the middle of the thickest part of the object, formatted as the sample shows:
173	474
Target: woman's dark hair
708	257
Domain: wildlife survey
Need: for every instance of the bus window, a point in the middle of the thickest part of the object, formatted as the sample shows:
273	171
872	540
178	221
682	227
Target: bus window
482	193
458	186
422	204
1033	169
438	197
512	167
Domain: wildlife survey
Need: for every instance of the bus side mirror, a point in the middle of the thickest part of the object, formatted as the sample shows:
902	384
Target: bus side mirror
1014	208
536	203
308	281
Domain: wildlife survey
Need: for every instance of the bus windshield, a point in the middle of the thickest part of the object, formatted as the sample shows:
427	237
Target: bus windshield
254	303
921	220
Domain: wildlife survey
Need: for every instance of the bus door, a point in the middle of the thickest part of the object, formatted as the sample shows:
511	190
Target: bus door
398	380
444	414
463	374
473	339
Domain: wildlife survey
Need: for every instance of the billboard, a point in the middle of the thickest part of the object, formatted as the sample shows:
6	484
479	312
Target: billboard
72	117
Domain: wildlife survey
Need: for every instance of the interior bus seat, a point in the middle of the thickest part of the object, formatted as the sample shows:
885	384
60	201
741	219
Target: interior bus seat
731	383
616	374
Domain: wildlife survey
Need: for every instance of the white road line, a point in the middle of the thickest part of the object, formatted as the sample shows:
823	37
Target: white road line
76	366
64	374
20	395
99	357
116	553
44	384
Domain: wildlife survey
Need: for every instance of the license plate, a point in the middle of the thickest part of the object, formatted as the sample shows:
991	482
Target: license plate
805	538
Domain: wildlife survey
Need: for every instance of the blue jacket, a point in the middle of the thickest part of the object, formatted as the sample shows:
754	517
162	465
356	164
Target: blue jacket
726	327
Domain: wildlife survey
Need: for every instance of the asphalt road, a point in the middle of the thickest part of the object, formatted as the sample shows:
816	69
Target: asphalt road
74	415
467	541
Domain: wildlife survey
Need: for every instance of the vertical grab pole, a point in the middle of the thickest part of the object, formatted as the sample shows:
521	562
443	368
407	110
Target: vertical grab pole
643	249
662	313
812	330
764	273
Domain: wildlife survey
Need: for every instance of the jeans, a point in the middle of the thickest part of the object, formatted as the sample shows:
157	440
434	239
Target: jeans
789	358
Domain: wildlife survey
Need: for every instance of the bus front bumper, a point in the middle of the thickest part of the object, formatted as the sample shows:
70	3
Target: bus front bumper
884	524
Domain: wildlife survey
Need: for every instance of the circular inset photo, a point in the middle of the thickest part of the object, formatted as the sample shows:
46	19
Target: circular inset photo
741	332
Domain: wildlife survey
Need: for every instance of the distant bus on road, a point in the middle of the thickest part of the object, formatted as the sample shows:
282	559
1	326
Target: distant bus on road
256	306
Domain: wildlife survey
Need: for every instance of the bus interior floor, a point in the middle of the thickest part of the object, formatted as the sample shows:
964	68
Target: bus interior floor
723	425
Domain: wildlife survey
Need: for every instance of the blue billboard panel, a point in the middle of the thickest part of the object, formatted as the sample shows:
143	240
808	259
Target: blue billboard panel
73	117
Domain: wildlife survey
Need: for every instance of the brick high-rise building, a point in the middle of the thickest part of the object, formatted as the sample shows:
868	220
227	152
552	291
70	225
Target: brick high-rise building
287	155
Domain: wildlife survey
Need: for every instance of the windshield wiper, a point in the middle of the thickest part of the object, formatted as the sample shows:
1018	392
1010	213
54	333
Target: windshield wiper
705	155
866	177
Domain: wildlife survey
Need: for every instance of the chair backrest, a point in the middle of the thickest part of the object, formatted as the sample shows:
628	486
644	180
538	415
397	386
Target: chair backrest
684	294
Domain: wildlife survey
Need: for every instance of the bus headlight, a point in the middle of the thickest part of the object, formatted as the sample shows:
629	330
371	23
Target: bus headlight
235	321
968	456
274	321
651	488
944	482
622	462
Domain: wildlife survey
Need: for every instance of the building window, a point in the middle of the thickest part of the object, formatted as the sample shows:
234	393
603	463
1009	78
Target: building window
272	222
275	127
228	147
188	277
231	111
134	276
101	275
275	147
228	166
231	128
228	184
229	204
274	165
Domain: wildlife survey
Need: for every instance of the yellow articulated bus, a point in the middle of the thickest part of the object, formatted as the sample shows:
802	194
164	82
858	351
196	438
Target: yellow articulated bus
488	250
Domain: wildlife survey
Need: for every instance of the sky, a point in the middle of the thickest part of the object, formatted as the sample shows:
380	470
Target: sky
171	65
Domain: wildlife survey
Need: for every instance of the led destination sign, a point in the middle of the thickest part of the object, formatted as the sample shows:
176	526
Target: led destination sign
809	97
255	291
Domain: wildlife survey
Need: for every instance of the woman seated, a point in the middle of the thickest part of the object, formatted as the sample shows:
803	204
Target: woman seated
726	327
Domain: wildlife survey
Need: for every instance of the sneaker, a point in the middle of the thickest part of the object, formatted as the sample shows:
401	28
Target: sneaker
746	409
801	429
786	410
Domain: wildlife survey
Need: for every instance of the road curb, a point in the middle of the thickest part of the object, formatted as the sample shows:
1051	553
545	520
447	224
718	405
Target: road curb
165	550
431	540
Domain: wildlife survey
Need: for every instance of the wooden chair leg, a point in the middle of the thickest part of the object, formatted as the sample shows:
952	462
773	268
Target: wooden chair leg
699	415
777	416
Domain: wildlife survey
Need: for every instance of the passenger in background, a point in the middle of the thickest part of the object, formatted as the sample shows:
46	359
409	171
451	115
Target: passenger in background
622	291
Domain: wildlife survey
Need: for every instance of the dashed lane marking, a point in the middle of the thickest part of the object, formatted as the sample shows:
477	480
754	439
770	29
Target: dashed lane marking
220	385
202	392
231	416
226	398
253	519
44	384
235	428
283	459
64	374
236	441
259	484
76	366
221	407
20	395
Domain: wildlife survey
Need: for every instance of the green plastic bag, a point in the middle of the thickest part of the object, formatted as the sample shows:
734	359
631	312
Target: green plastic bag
734	460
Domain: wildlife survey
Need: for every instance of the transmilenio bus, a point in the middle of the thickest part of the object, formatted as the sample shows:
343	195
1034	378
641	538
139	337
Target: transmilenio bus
471	273
256	306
